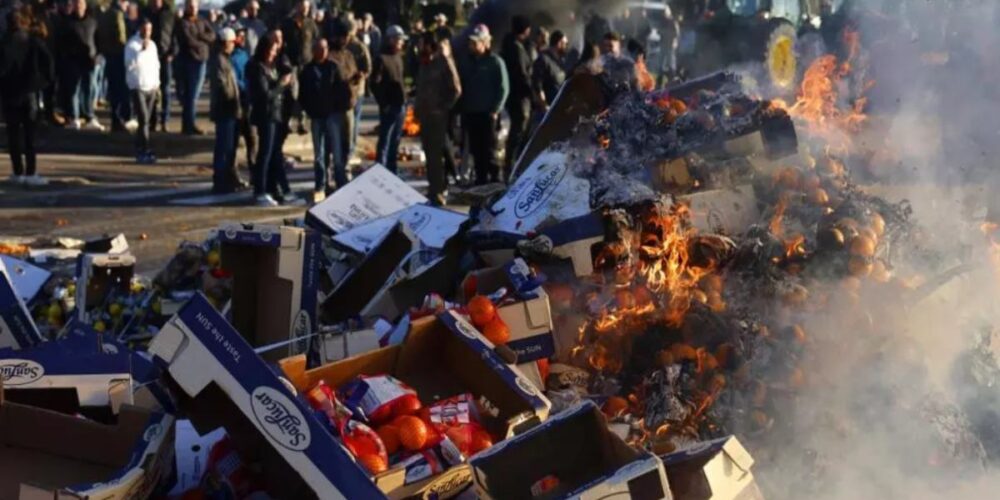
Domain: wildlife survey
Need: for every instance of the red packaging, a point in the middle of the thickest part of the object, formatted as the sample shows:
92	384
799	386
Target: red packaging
431	461
322	398
380	398
361	440
226	476
458	419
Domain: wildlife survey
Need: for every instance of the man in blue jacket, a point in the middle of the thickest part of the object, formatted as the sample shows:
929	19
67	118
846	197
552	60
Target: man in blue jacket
485	88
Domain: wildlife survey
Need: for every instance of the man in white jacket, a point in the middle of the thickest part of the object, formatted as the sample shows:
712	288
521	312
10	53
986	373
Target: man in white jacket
142	65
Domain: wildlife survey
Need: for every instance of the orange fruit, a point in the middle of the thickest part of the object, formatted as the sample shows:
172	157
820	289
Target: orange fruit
409	404
496	331
480	441
862	246
390	438
859	266
877	223
373	463
615	405
819	197
481	311
412	432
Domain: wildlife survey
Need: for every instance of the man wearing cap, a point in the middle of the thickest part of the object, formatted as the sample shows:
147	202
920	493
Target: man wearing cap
389	90
518	60
484	91
225	112
438	89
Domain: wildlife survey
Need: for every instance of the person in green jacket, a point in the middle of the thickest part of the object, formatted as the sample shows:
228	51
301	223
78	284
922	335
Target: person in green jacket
485	88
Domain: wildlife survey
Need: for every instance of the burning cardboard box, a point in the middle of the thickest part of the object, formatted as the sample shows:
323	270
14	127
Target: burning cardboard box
572	455
529	319
275	278
375	194
718	470
17	329
441	357
49	454
547	205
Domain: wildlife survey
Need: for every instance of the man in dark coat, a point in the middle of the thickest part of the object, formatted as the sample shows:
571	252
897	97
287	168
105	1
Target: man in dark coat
194	37
390	92
518	61
163	17
77	43
225	112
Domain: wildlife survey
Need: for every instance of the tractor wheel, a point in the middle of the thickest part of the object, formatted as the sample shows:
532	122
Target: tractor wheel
780	61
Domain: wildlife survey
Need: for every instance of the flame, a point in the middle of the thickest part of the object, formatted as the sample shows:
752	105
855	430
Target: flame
992	232
411	127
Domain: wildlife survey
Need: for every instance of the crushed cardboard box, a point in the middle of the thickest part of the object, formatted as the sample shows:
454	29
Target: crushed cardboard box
713	470
372	195
28	279
433	226
17	328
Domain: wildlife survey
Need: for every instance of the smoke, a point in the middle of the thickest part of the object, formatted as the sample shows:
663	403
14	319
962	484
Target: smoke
566	15
902	398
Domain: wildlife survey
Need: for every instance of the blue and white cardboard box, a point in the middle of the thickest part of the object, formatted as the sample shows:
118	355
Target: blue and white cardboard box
547	203
28	279
372	195
718	469
99	274
83	459
529	319
275	293
433	226
209	360
576	449
17	328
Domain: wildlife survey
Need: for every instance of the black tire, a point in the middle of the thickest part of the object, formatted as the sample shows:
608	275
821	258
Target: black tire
780	59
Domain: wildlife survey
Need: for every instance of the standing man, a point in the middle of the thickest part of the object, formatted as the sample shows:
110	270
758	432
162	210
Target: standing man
363	62
239	59
77	49
163	17
371	34
300	31
549	71
142	70
111	37
518	61
390	93
256	29
25	69
485	88
319	84
194	42
225	112
348	68
438	90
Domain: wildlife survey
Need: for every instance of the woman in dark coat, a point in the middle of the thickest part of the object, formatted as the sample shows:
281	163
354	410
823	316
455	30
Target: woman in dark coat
267	90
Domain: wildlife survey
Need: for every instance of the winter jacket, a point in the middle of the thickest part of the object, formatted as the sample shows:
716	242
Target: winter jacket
318	84
484	85
163	31
194	38
518	62
547	75
347	66
438	88
26	67
266	92
362	61
299	38
387	82
111	32
142	66
225	101
76	40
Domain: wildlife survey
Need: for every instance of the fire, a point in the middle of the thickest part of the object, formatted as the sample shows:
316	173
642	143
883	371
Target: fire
990	229
411	127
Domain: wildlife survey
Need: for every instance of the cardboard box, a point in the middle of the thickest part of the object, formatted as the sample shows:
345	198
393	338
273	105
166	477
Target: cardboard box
48	454
718	470
432	226
28	279
729	211
372	195
529	319
97	277
220	381
575	447
441	357
275	272
549	203
17	329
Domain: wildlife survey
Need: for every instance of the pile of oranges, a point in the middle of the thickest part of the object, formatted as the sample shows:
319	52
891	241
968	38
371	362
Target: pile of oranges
484	317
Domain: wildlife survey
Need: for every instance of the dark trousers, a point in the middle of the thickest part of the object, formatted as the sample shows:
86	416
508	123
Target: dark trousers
22	119
327	136
224	175
266	138
481	130
77	88
192	78
118	92
143	102
520	112
433	137
390	132
277	182
162	111
245	130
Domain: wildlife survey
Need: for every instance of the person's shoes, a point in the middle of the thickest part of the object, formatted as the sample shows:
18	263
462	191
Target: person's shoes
78	124
16	179
35	180
132	125
194	131
265	200
93	124
292	200
57	119
319	195
163	128
241	185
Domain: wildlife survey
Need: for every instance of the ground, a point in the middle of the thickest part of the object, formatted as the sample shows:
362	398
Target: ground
97	188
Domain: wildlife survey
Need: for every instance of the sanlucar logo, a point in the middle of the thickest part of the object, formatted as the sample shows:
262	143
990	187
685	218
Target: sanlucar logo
280	418
15	372
535	195
526	386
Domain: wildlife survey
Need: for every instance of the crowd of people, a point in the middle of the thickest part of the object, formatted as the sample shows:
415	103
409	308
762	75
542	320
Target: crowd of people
305	72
